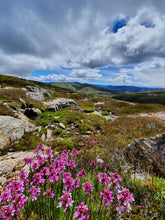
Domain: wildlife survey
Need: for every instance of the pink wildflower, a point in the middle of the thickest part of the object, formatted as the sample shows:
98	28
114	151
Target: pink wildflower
41	146
45	171
37	151
107	166
28	160
40	159
92	164
18	201
107	196
38	179
15	186
65	153
124	197
76	183
119	208
54	175
48	152
87	187
65	174
5	196
115	180
81	210
35	192
81	173
74	152
49	192
103	178
66	200
7	212
94	141
61	162
71	164
35	165
69	183
23	174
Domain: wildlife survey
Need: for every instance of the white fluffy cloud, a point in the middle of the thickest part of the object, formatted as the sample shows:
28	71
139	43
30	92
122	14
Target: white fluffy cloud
79	35
141	39
87	74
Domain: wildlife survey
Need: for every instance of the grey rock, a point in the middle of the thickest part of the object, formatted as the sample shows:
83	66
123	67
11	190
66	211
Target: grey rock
10	161
24	89
58	104
49	135
2	180
53	126
33	89
62	125
24	104
147	148
10	87
5	103
43	137
35	96
45	93
12	129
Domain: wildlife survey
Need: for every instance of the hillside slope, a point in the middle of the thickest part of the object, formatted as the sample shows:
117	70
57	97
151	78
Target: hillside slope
153	97
87	88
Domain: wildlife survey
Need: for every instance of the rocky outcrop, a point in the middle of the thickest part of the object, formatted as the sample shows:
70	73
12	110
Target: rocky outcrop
12	129
37	94
24	104
45	93
10	163
58	104
146	150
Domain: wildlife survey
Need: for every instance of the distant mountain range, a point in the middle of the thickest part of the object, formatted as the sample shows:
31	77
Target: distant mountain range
128	89
100	89
87	88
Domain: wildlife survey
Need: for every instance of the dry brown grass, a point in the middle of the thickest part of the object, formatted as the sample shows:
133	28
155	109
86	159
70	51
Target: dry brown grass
122	131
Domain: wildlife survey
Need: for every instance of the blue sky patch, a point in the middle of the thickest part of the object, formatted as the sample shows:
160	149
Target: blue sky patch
118	23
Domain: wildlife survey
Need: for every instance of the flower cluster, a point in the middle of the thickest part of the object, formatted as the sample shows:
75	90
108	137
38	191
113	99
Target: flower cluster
103	178
107	196
66	200
81	174
49	192
49	181
115	180
124	197
87	187
92	164
81	210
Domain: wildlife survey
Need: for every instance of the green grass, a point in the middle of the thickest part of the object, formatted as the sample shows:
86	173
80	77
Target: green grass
104	113
27	142
52	117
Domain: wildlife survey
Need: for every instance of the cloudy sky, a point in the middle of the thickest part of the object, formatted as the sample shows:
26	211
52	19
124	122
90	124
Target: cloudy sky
117	42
